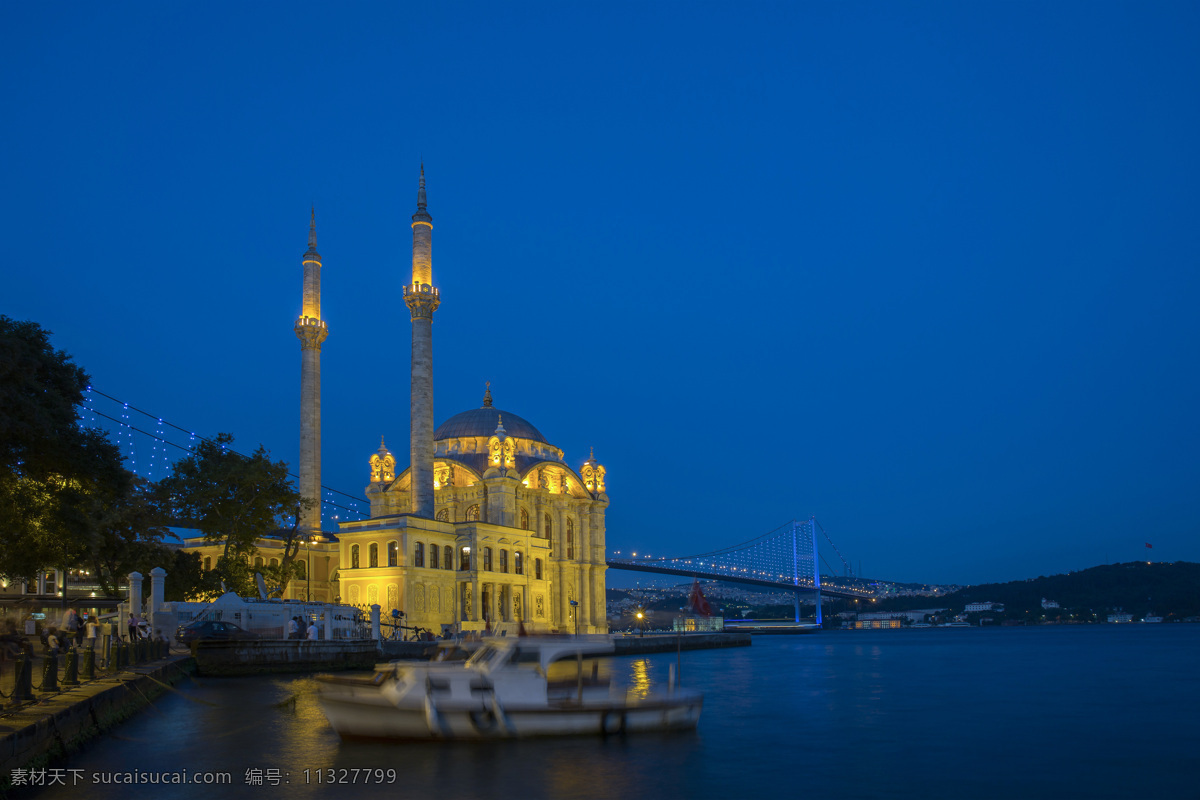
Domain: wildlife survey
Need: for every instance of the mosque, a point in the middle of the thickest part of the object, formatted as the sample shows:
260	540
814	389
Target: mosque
488	526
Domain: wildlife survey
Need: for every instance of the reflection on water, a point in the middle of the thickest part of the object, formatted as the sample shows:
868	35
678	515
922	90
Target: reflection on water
639	679
878	714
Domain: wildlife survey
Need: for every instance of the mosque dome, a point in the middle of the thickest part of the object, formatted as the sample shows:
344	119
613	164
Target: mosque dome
483	422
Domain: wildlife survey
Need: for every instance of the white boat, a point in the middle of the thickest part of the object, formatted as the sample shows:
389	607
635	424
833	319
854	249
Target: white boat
509	688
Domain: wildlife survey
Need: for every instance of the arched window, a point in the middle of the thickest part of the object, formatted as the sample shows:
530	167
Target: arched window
301	570
537	569
444	514
524	520
208	562
464	561
393	554
473	513
518	563
487	559
570	538
258	562
373	555
419	555
274	562
548	528
448	561
504	561
434	550
353	556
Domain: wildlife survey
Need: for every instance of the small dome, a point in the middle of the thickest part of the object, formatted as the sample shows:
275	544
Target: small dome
483	422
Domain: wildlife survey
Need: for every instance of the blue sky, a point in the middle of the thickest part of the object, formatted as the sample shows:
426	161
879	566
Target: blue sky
925	270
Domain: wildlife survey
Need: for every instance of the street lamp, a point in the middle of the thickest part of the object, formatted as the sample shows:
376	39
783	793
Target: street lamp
641	618
575	614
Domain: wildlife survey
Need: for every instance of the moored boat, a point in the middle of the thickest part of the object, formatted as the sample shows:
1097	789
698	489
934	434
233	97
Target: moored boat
509	688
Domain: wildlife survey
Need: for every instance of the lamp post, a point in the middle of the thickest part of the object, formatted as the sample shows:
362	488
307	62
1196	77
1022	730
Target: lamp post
641	618
575	614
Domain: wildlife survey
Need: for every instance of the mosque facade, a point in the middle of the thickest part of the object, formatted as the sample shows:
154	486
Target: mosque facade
488	527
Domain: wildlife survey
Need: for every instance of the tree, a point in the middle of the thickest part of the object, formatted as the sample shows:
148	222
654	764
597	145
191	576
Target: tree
234	500
66	499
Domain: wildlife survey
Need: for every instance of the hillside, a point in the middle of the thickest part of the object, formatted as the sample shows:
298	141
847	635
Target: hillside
1171	590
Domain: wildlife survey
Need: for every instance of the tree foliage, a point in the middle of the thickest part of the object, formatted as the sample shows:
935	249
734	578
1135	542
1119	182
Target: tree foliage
235	501
66	499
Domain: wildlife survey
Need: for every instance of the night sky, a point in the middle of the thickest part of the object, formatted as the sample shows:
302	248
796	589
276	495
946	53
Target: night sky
925	270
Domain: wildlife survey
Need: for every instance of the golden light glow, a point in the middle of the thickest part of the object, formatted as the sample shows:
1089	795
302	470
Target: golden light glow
307	261
423	222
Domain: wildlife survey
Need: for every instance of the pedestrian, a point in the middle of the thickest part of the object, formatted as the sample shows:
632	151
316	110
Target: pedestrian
92	630
293	629
312	631
51	641
70	624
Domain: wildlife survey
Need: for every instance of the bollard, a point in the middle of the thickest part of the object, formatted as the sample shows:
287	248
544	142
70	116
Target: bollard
71	670
50	673
89	664
23	690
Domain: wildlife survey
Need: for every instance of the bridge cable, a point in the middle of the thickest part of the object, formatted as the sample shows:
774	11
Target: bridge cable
162	421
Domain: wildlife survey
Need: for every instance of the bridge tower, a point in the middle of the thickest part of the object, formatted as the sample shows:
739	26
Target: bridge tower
422	300
311	330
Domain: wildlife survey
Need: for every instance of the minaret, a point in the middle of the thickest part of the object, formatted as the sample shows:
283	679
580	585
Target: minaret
422	300
311	331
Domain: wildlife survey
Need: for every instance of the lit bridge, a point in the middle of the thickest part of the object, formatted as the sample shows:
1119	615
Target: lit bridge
787	558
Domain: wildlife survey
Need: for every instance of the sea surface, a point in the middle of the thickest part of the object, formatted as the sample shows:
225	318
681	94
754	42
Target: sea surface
1101	711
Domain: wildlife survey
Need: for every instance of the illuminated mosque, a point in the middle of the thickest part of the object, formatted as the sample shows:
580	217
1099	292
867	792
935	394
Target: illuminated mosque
488	526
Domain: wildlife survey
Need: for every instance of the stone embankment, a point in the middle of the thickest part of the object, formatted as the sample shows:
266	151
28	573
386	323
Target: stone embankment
283	655
670	642
57	723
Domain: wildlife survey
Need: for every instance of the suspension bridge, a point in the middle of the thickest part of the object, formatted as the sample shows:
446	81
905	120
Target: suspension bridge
787	558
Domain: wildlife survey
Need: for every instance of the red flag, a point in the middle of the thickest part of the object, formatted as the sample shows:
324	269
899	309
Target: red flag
1150	546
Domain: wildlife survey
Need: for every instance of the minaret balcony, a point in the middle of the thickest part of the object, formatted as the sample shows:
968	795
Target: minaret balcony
308	322
420	288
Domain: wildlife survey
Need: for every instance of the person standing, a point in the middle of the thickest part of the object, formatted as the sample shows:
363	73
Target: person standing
293	629
312	631
70	624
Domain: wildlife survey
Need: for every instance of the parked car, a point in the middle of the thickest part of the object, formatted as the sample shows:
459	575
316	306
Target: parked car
212	629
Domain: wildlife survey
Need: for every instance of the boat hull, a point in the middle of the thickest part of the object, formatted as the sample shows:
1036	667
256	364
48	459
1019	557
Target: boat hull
362	714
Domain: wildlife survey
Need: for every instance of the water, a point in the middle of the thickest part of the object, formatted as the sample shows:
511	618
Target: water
1056	712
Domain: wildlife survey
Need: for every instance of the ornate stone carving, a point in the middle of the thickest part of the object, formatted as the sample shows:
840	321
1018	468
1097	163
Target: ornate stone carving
421	305
311	333
383	465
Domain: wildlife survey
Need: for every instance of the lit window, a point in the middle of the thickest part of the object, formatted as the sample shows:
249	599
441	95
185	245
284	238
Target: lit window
373	555
487	559
393	554
353	556
518	563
